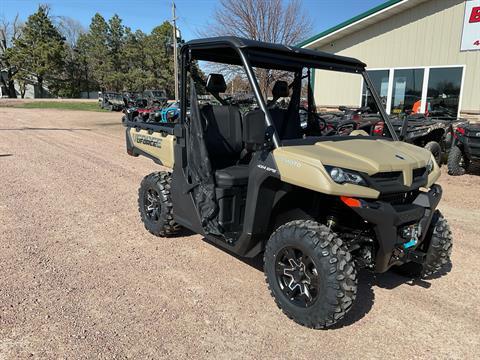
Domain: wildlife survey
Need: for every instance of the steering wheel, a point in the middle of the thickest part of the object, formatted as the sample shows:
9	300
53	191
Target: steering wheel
322	124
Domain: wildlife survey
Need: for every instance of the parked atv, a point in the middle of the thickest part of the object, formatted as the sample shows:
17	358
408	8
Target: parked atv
112	101
365	120
465	148
432	133
155	98
317	208
134	100
361	117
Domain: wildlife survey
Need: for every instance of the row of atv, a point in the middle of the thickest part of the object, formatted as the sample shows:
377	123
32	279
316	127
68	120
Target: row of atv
453	141
168	112
116	101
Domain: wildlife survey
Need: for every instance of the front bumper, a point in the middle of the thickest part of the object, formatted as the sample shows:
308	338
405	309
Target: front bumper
388	219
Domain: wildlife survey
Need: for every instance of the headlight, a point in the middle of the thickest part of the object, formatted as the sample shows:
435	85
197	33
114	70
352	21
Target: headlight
342	176
430	165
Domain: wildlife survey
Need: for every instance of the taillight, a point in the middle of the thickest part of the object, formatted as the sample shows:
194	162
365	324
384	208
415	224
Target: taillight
378	129
459	131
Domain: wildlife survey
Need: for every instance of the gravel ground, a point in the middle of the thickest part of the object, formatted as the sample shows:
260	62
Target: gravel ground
81	278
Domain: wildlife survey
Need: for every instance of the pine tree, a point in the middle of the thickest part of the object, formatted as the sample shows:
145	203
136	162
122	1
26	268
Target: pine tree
95	49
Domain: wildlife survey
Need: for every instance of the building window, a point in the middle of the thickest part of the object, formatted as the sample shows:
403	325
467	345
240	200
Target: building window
443	93
380	82
435	90
407	91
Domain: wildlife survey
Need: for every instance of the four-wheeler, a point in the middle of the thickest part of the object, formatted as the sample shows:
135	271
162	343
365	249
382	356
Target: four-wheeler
112	101
133	99
348	119
434	133
317	208
465	148
155	98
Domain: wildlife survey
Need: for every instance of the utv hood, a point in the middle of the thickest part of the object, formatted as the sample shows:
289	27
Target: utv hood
298	163
370	156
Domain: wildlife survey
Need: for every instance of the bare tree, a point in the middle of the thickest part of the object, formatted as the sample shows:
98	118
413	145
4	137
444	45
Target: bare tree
263	20
9	32
70	29
274	21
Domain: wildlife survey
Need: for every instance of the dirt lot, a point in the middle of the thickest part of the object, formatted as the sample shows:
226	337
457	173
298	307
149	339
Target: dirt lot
80	278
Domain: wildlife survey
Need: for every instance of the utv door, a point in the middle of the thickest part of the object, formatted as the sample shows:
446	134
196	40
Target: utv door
193	190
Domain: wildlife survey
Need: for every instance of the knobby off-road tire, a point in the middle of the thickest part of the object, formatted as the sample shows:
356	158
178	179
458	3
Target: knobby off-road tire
436	150
155	204
457	163
440	242
330	277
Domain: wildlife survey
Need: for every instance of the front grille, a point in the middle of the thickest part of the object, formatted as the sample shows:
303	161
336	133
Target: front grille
399	198
387	179
387	182
418	173
383	176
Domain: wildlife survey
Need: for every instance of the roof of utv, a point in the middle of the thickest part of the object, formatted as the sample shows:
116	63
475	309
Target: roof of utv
225	49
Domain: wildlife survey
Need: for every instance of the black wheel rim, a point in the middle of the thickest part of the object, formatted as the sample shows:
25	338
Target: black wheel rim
297	276
152	204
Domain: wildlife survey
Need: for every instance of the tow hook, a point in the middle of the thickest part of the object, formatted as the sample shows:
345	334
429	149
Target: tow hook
411	233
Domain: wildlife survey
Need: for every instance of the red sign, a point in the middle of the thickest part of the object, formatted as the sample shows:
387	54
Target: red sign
471	26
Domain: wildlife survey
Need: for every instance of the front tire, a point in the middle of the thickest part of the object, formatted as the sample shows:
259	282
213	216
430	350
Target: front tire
457	163
155	204
310	273
436	151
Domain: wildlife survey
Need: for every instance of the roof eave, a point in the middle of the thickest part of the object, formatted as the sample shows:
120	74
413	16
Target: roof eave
350	22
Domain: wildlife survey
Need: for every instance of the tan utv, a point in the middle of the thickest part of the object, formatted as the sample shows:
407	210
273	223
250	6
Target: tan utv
255	180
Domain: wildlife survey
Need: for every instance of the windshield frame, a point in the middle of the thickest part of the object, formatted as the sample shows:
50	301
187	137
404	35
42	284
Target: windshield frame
246	53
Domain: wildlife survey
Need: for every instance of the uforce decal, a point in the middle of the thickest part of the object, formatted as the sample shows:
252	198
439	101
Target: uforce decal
147	140
266	168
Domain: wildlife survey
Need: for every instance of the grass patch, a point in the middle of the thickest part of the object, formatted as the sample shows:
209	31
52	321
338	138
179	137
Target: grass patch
62	105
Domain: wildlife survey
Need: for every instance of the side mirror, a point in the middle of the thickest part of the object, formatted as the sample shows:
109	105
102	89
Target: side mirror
255	134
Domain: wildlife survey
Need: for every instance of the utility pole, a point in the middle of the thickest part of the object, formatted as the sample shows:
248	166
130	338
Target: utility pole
175	57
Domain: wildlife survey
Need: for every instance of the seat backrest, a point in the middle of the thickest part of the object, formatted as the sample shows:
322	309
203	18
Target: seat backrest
280	89
223	134
279	118
216	83
254	127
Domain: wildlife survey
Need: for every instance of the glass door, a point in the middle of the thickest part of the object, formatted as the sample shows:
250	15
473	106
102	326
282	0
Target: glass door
443	95
407	91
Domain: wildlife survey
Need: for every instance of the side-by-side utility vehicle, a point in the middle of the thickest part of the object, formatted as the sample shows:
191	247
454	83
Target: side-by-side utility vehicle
465	148
318	208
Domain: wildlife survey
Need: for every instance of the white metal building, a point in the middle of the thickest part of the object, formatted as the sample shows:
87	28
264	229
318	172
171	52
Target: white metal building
422	54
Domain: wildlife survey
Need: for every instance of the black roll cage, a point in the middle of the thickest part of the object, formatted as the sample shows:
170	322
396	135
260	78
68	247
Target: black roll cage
248	53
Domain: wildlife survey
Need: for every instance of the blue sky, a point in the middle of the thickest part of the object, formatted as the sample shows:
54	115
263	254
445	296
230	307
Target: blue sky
193	14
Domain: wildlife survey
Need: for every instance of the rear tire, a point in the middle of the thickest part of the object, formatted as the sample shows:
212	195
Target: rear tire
436	150
155	204
457	163
310	273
